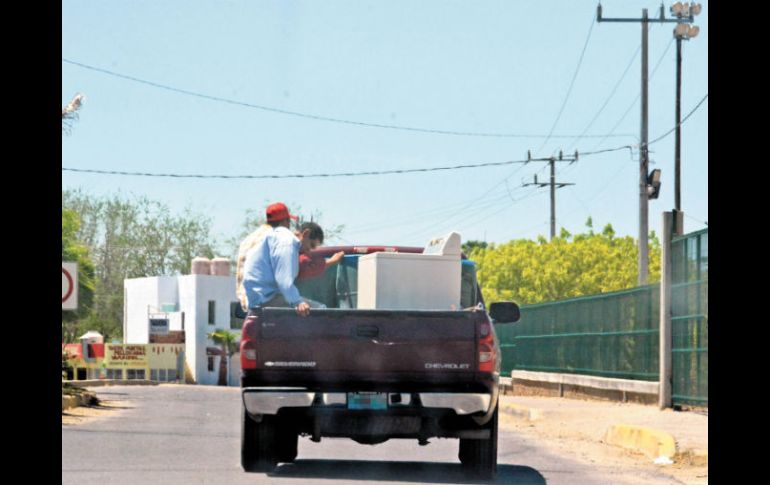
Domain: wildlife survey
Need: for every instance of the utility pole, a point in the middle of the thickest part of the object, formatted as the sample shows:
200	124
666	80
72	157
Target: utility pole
644	259
664	337
552	183
684	15
643	145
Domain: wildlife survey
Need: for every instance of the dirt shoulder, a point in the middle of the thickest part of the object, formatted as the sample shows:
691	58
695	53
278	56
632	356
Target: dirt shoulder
578	429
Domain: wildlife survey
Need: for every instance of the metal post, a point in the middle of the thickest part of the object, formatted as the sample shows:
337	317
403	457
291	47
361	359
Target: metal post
643	197
553	198
665	372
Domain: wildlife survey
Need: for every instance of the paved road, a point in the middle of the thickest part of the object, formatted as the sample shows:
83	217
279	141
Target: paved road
187	435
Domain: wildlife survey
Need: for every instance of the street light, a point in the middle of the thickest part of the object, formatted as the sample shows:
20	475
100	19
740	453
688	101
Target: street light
653	184
683	31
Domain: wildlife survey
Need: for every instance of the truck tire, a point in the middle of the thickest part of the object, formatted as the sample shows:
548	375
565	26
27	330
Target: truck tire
288	438
479	457
258	442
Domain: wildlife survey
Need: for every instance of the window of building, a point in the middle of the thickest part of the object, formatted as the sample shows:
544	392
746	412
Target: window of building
153	374
114	373
235	321
211	363
212	311
171	375
135	374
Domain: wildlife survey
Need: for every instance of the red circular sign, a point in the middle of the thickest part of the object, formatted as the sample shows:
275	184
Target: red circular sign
71	285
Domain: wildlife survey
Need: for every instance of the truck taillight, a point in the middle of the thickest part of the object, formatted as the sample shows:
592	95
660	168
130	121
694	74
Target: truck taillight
249	344
487	354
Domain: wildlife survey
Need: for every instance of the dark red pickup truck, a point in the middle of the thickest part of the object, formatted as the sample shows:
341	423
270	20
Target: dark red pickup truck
371	375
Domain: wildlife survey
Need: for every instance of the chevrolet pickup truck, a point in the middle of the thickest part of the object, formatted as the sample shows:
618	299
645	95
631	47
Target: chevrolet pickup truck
371	375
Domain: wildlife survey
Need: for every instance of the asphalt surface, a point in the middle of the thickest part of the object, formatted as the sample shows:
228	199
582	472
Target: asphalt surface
176	434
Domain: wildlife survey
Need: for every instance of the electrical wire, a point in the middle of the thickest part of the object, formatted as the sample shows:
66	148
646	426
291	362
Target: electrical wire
571	85
311	116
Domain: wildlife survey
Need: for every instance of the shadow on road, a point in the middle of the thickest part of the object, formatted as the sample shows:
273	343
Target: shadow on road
397	471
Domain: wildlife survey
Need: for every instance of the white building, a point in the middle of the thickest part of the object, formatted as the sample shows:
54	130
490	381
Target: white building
190	306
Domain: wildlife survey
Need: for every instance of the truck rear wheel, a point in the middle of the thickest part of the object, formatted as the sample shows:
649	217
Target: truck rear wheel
479	457
258	444
287	442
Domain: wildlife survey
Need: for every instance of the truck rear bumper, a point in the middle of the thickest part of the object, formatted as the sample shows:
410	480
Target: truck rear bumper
269	401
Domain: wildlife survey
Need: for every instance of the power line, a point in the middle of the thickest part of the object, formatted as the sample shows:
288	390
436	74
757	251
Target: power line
633	103
339	174
377	172
442	212
531	193
705	223
315	117
470	210
475	214
680	123
606	102
571	84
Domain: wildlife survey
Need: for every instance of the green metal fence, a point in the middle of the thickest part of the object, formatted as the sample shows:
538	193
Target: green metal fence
608	335
689	322
616	334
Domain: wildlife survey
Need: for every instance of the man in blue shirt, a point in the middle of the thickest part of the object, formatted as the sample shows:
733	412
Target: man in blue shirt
273	264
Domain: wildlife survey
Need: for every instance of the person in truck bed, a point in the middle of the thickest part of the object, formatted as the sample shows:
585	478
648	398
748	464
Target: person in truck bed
272	265
243	250
309	267
314	266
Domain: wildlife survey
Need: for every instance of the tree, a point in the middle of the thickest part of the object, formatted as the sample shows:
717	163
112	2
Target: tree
73	251
529	272
469	246
132	238
227	342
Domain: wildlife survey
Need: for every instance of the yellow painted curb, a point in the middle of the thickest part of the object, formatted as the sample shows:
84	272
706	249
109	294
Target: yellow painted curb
651	442
692	457
68	402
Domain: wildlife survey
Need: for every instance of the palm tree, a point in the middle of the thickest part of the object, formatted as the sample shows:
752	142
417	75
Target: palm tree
227	341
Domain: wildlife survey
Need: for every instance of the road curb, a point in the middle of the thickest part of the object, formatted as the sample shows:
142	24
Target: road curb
84	399
112	382
521	412
653	443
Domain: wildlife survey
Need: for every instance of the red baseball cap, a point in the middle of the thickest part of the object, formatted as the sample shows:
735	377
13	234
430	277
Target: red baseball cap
278	212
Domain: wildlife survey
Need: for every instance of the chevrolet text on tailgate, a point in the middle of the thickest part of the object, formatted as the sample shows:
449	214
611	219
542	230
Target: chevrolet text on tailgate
405	349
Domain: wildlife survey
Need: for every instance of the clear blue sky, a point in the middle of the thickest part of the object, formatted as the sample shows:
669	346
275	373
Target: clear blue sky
487	67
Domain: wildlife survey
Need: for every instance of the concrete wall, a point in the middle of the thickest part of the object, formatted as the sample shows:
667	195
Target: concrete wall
528	383
234	378
195	292
191	294
141	295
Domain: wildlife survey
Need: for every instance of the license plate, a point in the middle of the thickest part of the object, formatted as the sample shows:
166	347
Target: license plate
367	400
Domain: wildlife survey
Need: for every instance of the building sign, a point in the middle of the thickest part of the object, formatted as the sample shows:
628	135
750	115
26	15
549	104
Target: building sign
158	326
126	356
69	286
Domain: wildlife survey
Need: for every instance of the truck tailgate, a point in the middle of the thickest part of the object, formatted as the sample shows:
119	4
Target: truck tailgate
368	341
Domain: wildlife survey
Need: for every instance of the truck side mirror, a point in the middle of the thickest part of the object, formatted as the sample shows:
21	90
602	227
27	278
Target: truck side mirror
504	312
